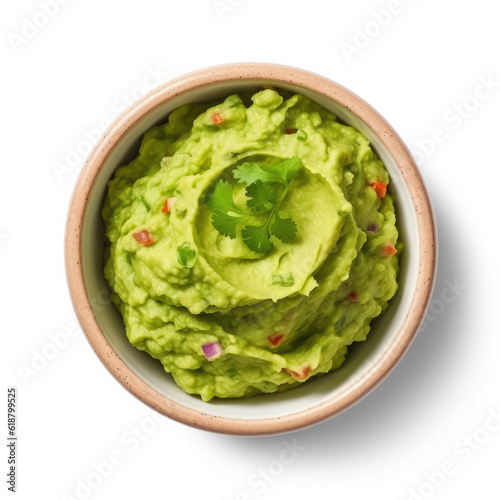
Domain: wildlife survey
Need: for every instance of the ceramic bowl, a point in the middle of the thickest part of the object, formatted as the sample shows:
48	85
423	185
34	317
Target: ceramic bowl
367	364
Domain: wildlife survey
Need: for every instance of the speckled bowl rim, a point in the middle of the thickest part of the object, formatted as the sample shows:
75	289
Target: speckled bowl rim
425	223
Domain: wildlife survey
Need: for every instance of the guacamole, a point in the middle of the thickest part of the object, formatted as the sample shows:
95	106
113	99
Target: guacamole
231	316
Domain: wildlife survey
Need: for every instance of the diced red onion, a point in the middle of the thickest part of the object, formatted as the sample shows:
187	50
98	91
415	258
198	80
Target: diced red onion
212	351
373	228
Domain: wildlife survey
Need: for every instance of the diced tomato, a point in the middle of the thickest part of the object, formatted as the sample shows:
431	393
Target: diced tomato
290	130
380	188
217	119
299	375
144	238
169	203
276	339
353	297
388	249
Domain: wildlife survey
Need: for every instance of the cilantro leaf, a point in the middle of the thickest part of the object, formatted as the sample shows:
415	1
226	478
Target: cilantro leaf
284	229
226	215
222	199
186	256
257	238
251	172
226	224
262	196
287	169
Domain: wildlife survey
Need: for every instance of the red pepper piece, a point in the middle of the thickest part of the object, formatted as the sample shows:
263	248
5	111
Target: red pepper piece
217	119
275	340
380	188
144	238
388	249
299	375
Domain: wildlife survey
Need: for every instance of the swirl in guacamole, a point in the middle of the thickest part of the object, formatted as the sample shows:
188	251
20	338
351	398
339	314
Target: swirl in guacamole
250	243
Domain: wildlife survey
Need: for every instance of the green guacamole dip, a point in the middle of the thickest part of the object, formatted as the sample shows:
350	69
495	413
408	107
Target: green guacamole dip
224	320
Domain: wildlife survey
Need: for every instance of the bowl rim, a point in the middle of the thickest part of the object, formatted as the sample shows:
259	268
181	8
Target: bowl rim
279	74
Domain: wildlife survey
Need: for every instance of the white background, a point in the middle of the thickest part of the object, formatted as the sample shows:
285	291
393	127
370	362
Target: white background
419	71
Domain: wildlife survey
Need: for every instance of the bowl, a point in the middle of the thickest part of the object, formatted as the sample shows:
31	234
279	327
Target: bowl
368	362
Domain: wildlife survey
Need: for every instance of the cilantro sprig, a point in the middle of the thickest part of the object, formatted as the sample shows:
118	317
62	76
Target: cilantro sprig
266	189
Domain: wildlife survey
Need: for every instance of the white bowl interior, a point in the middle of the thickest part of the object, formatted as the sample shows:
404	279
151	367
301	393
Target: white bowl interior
363	357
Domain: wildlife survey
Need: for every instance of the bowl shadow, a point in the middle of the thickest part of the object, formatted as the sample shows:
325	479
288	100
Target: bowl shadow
401	395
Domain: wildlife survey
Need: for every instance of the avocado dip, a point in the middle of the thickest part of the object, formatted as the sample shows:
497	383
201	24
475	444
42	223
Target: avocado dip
250	243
